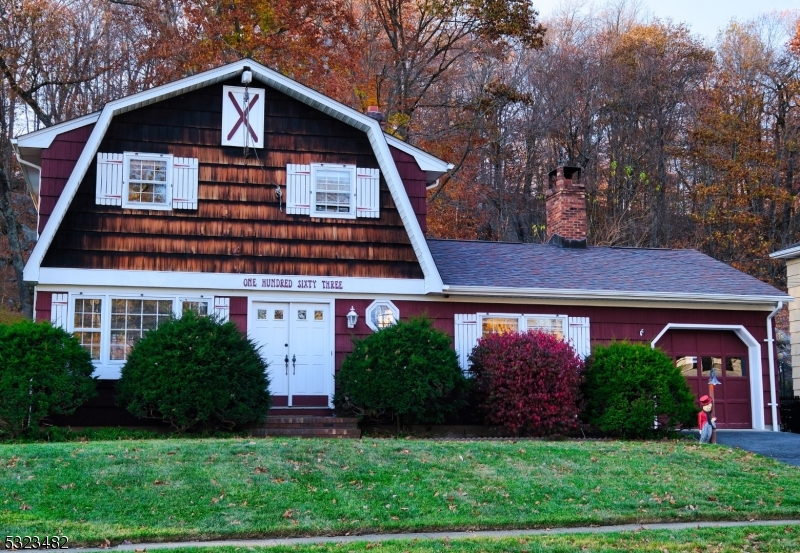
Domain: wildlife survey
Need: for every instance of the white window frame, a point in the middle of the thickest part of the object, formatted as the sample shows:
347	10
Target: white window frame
178	305
351	169
126	165
522	321
72	329
376	303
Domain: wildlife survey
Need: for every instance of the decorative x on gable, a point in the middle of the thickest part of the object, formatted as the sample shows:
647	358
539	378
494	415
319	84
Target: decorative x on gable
243	116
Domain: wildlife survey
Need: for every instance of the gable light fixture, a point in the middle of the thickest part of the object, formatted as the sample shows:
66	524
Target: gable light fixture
352	317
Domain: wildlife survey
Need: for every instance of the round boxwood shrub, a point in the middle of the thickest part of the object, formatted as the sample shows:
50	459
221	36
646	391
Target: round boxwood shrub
528	382
44	371
630	386
408	372
195	372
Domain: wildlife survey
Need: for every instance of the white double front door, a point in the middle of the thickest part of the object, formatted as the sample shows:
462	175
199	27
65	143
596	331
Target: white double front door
295	339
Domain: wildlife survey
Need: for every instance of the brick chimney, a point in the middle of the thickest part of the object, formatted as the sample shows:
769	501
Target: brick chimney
566	208
375	113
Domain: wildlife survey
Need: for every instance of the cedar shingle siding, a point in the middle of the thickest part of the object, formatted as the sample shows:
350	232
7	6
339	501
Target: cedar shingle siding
237	227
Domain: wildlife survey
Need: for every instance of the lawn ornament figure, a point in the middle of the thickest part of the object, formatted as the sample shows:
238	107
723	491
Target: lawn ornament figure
705	425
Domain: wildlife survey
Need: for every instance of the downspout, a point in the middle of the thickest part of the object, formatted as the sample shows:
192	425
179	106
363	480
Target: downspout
771	356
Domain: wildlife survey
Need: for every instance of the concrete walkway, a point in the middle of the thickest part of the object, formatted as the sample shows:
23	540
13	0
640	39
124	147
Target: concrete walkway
782	446
273	542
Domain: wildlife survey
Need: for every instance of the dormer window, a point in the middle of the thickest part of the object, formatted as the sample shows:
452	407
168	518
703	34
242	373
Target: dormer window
147	181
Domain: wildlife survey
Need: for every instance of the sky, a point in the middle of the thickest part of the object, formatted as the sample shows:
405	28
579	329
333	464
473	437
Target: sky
704	17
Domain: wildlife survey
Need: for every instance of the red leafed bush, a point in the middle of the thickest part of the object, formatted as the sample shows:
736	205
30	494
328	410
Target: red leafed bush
528	382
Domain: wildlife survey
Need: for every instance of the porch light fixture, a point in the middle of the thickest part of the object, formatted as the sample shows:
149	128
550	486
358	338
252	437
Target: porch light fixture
352	317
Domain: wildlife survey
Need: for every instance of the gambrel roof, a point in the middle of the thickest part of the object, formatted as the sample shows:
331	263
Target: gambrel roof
28	146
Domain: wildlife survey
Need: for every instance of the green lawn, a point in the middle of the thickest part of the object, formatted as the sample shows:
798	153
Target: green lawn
171	489
729	540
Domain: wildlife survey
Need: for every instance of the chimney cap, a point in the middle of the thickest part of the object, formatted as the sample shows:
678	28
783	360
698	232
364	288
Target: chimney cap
569	170
375	113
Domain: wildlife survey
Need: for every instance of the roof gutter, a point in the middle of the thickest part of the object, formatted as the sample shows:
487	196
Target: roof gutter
578	294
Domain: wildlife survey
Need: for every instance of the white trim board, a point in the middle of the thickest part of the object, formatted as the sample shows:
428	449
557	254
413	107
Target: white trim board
754	360
554	293
376	137
230	283
788	253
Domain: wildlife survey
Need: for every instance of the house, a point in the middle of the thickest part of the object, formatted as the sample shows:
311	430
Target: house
242	193
792	257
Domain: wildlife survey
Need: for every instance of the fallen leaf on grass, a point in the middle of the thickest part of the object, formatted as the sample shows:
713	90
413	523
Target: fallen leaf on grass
159	483
261	470
288	513
24	507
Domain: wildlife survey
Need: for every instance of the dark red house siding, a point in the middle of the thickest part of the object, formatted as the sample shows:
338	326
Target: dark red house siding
43	307
238	313
239	226
414	182
606	323
58	161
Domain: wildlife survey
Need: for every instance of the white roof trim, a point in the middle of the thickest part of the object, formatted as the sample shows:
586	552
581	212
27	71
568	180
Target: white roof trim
433	282
788	253
426	162
555	293
44	137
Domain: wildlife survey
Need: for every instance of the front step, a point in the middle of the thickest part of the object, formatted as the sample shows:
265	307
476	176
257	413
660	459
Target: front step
308	427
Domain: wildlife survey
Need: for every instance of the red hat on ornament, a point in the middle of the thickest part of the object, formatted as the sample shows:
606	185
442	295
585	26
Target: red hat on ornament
705	400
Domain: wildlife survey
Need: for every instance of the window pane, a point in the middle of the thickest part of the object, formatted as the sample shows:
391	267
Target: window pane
87	325
147	181
499	325
131	319
736	366
382	316
551	326
711	362
333	191
687	365
197	307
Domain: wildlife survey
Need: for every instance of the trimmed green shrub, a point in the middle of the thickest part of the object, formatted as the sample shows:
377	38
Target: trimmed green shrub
195	372
407	371
528	382
44	371
630	386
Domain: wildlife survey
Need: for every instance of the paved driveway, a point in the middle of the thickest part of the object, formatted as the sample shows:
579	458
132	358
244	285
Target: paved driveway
782	446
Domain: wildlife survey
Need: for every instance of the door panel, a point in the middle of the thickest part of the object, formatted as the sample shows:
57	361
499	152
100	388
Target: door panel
310	347
300	331
272	334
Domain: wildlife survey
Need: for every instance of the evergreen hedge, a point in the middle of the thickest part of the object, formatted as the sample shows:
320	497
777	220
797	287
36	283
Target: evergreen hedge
44	371
195	372
408	372
629	387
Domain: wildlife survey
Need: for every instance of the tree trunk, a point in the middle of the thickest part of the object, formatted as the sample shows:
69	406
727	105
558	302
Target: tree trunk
13	231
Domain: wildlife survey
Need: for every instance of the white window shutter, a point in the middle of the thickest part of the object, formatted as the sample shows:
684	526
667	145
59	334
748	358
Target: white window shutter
58	310
222	309
368	193
184	183
109	179
579	336
298	189
466	338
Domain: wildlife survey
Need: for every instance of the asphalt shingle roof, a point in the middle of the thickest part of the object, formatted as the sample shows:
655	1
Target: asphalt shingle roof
543	266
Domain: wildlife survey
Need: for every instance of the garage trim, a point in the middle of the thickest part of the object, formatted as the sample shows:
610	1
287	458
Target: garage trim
754	358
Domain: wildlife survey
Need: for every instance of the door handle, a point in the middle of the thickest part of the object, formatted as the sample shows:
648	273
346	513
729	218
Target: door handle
286	360
294	359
